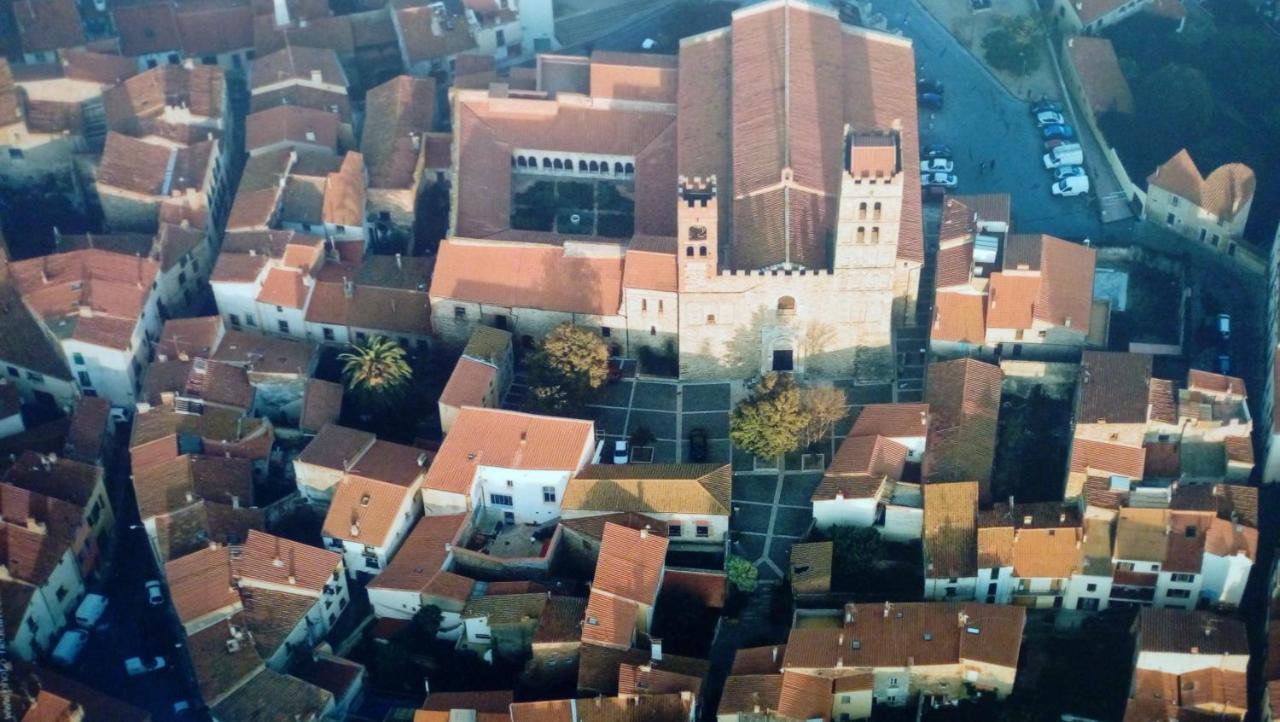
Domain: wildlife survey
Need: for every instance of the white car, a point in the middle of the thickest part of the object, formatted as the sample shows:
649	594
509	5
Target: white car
1072	186
1049	117
943	165
1067	171
621	454
142	665
938	180
155	593
69	647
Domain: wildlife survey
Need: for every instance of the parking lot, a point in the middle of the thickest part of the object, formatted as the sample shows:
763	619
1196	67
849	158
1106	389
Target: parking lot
771	508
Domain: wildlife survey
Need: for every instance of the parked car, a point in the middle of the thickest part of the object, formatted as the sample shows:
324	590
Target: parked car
155	593
938	180
936	150
698	446
1067	171
1073	186
1054	143
932	101
924	85
1058	130
69	647
91	609
1224	325
143	665
1044	104
1049	117
1224	364
1066	154
944	165
621	454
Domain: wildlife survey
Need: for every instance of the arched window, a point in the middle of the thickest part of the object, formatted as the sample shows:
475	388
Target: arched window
594	166
660	309
644	304
522	162
697	233
688	251
631	168
862	234
786	306
653	330
862	210
546	162
582	166
702	251
568	164
876	212
558	164
617	168
875	234
711	319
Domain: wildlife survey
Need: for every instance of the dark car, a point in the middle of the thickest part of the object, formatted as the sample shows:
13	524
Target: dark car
698	446
1063	131
932	101
1044	104
936	150
928	86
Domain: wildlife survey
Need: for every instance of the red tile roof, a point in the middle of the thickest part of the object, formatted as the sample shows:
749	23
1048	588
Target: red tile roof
145	28
202	583
45	25
1226	191
469	383
630	564
396	112
527	276
291	123
1107	457
510	440
285	563
1113	388
959	317
1098	69
964	406
422	556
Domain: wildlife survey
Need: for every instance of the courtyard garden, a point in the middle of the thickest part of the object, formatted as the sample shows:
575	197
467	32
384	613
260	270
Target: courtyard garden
574	206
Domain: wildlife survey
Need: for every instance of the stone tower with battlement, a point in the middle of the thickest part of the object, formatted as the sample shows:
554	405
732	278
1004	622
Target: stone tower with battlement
697	231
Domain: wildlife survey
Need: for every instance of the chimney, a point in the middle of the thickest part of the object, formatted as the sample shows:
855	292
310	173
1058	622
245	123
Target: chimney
888	607
399	263
355	528
655	649
1011	502
1062	518
775	654
417	141
644	533
293	579
348	288
317	76
235	501
190	497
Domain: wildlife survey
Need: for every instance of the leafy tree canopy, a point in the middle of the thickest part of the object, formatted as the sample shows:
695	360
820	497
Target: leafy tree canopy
768	423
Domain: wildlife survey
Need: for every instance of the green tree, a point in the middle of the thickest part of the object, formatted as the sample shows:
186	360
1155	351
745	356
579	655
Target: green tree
572	364
856	551
742	574
377	369
825	405
424	627
769	421
1015	46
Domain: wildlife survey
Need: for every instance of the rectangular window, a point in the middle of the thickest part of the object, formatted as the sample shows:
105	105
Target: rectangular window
1091	587
13	372
234	318
1182	578
78	358
1169	219
250	321
15	153
34	377
1178	593
549	493
283	325
703	531
61	593
673	530
327	333
992	588
83	376
361	337
1124	566
501	500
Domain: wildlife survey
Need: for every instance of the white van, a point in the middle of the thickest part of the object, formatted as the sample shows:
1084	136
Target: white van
1065	154
91	610
69	647
1073	186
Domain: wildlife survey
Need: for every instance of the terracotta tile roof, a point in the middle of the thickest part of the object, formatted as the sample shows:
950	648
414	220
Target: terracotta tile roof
747	693
62	699
344	192
634	76
1113	388
306	96
94	67
151	169
1098	69
259	191
708	586
333	33
911	634
272	615
561	621
209	27
759	660
423	554
1066	288
950	523
1184	546
285	563
87	434
146	28
995	546
62	479
396	111
895	421
266	355
469	384
137	106
291	123
510	440
630	564
202	583
1162	402
364	510
1226	191
1106	457
598	666
649	678
490	701
1141	534
650	271
271	694
1237	502
1225	539
964	406
626	708
593	526
35	534
321	405
1198	380
1011	300
805	697
487	129
285	287
651	488
506	609
45	25
610	620
740	120
237	268
170	485
23	340
527	276
1090	10
959	317
869	456
1177	631
336	674
810	571
426	36
336	447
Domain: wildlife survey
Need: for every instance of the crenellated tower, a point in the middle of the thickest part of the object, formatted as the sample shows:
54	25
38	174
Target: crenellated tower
697	223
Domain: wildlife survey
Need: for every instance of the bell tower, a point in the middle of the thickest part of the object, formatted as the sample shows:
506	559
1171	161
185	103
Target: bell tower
698	232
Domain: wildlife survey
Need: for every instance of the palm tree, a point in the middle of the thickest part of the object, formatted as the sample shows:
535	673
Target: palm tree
379	368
